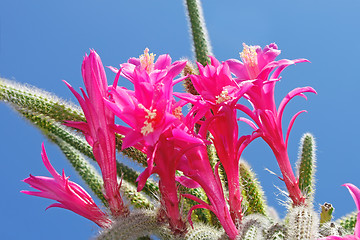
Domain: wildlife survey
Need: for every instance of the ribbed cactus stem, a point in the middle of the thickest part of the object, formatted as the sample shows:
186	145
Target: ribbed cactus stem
86	171
253	227
137	199
138	224
214	159
251	190
332	229
201	232
202	47
307	166
326	213
276	231
44	103
52	129
151	188
40	101
200	214
94	180
348	222
302	223
130	152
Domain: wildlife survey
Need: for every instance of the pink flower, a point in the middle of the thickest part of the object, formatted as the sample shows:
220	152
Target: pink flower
151	112
98	128
219	93
257	65
69	194
195	165
150	109
355	193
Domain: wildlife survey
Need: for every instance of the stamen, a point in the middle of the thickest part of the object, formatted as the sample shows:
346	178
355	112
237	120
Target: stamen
177	112
224	96
147	128
249	58
147	61
249	55
148	124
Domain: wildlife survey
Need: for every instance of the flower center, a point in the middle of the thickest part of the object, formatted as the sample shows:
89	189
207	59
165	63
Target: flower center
224	96
147	61
177	112
249	58
149	120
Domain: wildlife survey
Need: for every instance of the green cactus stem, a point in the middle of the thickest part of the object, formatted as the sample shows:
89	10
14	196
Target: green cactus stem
201	232
86	171
51	128
348	222
276	231
251	190
44	103
202	47
332	229
307	166
253	227
302	223
138	224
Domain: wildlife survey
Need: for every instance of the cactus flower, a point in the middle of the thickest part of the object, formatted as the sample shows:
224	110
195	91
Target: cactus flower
355	193
149	109
150	112
98	128
256	66
69	195
219	93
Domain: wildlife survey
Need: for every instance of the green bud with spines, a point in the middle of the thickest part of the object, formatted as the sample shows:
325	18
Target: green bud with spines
326	213
189	69
307	166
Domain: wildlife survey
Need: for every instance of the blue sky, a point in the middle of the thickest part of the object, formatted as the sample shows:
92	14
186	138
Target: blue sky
43	42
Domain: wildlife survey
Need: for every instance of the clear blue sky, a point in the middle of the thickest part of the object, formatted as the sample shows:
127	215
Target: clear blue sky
43	42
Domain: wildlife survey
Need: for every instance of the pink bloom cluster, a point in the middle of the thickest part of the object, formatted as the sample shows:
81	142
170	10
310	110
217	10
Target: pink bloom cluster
157	126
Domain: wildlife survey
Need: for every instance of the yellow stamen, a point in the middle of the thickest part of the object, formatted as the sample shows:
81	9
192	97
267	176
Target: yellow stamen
147	61
148	124
177	112
224	96
249	58
147	128
249	55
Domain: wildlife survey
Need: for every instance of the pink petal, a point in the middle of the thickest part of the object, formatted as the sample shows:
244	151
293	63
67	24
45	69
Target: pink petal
291	124
355	193
187	182
163	62
289	96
